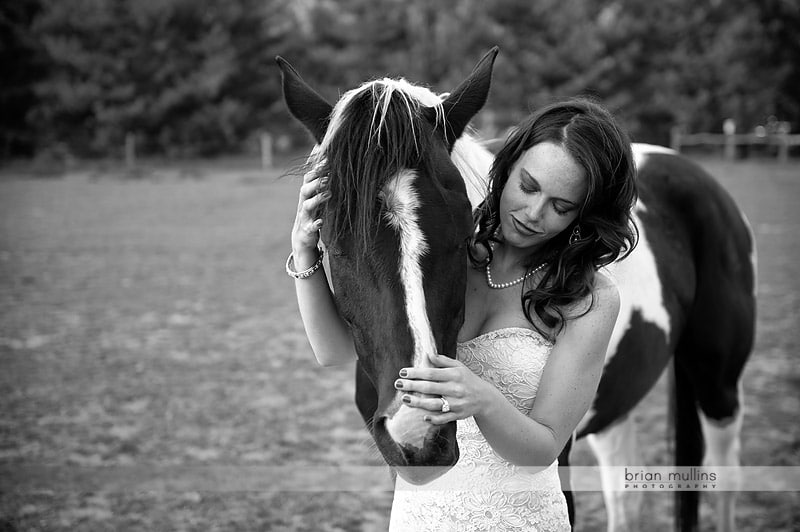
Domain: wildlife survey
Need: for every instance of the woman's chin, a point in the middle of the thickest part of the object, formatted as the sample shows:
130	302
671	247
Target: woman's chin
528	242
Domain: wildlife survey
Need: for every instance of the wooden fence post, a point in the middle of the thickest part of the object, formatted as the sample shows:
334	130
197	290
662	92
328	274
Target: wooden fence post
729	128
130	151
783	147
675	138
266	151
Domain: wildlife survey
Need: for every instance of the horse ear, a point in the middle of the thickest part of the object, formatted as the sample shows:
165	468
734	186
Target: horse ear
467	99
303	102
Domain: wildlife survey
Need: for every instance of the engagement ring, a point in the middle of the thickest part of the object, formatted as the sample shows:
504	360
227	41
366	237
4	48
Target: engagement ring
445	405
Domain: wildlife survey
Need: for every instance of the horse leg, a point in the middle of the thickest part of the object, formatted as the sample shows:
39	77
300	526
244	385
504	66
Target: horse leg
722	449
707	429
709	363
616	447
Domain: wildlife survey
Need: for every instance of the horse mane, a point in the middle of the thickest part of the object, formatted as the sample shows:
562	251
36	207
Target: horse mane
376	130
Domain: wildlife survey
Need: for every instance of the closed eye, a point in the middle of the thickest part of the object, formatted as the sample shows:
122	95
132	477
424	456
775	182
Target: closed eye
529	185
562	209
527	188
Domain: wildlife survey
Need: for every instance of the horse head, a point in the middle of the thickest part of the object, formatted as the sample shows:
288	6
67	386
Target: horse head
396	230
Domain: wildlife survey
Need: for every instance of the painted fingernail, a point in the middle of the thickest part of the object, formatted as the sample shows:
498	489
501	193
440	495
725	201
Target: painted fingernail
404	373
326	194
323	181
407	399
426	418
398	383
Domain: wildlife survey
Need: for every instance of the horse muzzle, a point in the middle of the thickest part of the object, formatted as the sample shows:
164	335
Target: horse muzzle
417	450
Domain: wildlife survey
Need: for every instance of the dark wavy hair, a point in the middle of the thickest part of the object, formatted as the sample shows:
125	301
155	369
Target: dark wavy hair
591	135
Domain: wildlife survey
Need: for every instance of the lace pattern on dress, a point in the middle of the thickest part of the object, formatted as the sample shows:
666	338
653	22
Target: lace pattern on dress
484	491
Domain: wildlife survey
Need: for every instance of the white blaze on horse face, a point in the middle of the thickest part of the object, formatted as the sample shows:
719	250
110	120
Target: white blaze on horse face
401	203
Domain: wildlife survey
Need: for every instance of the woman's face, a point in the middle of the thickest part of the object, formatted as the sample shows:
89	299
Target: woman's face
542	196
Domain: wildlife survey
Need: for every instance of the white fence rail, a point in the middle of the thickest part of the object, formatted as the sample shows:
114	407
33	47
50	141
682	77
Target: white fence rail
729	142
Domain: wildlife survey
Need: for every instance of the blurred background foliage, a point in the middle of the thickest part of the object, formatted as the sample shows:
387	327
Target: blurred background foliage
197	77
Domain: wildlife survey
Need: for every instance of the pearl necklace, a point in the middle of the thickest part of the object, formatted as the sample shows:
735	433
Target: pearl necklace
500	286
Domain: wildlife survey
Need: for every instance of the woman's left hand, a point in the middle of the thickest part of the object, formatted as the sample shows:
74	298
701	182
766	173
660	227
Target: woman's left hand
466	393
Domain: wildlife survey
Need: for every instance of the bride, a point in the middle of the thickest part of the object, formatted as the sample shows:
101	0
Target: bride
538	319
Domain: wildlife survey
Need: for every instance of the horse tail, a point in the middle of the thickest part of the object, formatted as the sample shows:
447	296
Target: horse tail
689	445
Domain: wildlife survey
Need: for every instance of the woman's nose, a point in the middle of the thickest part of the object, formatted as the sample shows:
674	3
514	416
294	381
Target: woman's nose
535	209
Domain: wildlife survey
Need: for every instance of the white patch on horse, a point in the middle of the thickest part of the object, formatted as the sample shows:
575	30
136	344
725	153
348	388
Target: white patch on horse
723	449
637	275
753	252
473	162
640	152
637	279
401	203
639	289
615	447
721	438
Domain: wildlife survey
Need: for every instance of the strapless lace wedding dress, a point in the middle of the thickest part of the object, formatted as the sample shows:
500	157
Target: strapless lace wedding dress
484	492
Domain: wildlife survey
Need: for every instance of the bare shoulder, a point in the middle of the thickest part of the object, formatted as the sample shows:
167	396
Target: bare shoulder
606	292
602	303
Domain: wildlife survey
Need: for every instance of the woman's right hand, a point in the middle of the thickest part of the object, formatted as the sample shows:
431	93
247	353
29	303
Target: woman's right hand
305	233
327	333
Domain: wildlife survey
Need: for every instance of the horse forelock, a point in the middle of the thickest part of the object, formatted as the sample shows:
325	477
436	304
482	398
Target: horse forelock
376	131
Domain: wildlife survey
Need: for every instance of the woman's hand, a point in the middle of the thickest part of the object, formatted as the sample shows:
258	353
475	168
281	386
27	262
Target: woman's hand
305	233
466	393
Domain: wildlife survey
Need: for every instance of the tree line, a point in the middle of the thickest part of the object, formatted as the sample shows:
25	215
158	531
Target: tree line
197	77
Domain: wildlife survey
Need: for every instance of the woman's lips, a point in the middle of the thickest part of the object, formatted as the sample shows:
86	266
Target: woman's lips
522	228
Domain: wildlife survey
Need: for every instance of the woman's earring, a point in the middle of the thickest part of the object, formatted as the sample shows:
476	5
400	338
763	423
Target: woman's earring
575	236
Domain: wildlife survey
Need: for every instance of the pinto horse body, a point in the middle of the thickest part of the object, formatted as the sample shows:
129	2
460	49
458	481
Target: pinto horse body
687	294
686	291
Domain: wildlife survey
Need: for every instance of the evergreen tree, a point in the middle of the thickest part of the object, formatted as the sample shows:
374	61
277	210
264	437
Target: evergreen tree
781	22
22	63
186	77
197	76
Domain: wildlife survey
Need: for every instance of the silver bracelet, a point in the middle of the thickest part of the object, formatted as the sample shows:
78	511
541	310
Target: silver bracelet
305	274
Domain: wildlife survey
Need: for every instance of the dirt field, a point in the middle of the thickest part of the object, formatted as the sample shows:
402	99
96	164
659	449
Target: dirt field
155	375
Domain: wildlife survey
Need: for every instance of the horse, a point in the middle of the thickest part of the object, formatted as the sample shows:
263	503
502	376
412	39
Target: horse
687	290
688	300
395	232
